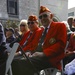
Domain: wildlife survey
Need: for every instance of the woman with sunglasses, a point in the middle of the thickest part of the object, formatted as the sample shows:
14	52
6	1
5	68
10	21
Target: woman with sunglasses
23	27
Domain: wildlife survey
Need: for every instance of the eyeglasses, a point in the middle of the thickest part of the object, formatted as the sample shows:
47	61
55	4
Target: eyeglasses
44	16
32	22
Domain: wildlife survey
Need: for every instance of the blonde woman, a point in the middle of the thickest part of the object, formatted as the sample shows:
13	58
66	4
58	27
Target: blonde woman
23	27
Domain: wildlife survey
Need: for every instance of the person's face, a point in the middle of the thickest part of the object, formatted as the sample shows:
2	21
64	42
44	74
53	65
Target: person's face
32	25
70	21
45	18
22	27
8	33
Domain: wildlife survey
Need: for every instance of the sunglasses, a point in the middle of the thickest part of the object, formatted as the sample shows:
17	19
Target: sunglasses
43	16
32	22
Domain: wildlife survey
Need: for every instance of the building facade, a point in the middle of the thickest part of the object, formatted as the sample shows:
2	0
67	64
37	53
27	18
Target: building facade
71	12
15	10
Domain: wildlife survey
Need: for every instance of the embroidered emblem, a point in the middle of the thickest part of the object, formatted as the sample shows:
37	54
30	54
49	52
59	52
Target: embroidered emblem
52	41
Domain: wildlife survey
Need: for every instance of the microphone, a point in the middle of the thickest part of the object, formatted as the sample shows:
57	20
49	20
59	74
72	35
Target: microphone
16	40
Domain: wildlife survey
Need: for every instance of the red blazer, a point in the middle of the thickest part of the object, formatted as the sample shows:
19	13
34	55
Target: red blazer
23	39
54	43
33	40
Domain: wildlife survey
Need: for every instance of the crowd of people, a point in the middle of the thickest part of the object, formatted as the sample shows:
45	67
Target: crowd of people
44	45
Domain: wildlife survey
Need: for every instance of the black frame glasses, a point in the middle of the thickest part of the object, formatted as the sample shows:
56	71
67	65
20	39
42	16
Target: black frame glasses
43	16
32	22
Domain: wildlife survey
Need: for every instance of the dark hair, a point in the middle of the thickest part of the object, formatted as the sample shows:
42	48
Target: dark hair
11	29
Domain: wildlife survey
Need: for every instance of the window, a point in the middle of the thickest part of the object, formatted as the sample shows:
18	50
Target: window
12	7
71	14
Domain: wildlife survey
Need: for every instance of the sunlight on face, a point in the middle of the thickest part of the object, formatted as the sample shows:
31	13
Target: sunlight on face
32	25
45	18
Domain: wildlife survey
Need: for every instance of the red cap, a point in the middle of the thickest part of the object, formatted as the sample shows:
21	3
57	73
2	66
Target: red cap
43	9
32	18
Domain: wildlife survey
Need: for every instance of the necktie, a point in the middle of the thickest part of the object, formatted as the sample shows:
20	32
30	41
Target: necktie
43	35
39	48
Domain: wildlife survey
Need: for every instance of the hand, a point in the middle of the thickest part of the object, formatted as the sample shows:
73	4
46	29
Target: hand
38	54
28	54
69	53
17	54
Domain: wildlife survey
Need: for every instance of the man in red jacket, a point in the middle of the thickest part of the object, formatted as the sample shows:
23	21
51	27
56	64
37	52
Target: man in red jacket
51	45
30	40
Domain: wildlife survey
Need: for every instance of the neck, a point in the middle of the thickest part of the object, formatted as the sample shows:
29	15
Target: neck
25	32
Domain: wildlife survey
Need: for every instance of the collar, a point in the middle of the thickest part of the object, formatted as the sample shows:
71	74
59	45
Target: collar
49	26
31	32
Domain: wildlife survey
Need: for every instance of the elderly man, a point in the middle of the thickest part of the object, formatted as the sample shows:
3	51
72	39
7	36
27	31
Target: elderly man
30	39
51	45
34	34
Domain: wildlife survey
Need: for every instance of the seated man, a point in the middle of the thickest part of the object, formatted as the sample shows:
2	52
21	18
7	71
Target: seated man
30	40
52	47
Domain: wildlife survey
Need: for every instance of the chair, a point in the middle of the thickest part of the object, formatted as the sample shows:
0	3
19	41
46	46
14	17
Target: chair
10	59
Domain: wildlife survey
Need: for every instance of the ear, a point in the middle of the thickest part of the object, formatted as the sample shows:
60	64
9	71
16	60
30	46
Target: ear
51	15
